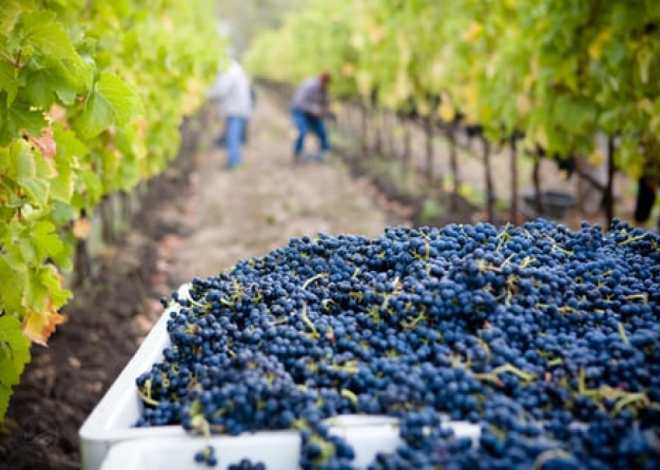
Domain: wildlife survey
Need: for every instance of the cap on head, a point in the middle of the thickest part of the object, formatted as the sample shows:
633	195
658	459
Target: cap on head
325	77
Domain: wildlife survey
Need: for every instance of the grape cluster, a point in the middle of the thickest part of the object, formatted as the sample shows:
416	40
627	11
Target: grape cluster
547	337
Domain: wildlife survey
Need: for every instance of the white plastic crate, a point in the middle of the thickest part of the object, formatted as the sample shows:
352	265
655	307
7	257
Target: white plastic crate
277	450
109	441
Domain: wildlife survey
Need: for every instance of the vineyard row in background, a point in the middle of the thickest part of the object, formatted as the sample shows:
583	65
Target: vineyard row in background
444	172
573	83
460	163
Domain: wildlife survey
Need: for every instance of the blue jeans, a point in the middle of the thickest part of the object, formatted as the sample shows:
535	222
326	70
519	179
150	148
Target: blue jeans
306	122
234	130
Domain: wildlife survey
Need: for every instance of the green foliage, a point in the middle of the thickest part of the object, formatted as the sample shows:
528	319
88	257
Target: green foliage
561	71
92	94
14	354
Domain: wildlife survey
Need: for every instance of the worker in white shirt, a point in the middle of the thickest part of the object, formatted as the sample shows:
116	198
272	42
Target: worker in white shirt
236	104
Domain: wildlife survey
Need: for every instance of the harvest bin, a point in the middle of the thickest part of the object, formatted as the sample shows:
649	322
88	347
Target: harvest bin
109	441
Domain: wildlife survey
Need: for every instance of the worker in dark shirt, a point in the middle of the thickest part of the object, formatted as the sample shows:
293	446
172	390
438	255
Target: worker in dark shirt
310	105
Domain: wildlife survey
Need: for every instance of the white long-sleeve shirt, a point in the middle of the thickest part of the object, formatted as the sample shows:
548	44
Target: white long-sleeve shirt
233	89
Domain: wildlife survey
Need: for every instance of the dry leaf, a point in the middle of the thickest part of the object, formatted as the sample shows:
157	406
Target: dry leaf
38	326
45	143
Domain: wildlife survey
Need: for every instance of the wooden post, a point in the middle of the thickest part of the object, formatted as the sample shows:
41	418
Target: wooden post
365	131
514	180
108	221
609	188
390	130
378	143
407	144
453	162
428	131
82	264
536	178
490	190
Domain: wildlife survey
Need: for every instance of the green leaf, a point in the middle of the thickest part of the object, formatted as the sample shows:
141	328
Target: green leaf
61	186
68	145
64	258
10	299
113	101
8	81
45	240
123	99
93	184
5	395
14	355
39	89
21	116
51	279
23	158
96	117
43	32
35	296
37	189
9	13
66	94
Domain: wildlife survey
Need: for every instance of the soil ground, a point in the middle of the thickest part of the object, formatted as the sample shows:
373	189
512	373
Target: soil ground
197	220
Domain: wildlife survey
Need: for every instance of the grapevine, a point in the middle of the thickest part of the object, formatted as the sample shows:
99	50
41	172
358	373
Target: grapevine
554	75
91	98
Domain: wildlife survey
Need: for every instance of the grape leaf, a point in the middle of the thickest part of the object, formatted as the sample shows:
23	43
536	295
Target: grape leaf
23	158
40	324
45	240
113	101
11	299
38	89
21	116
9	13
93	184
14	354
53	280
123	99
44	33
45	143
61	186
8	81
68	145
14	350
37	189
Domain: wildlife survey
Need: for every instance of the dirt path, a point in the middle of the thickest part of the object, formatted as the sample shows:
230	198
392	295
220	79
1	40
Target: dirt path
266	201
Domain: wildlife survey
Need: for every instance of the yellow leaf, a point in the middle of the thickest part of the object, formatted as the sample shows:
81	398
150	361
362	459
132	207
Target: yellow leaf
596	158
446	110
473	32
347	70
645	104
541	137
598	44
38	326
